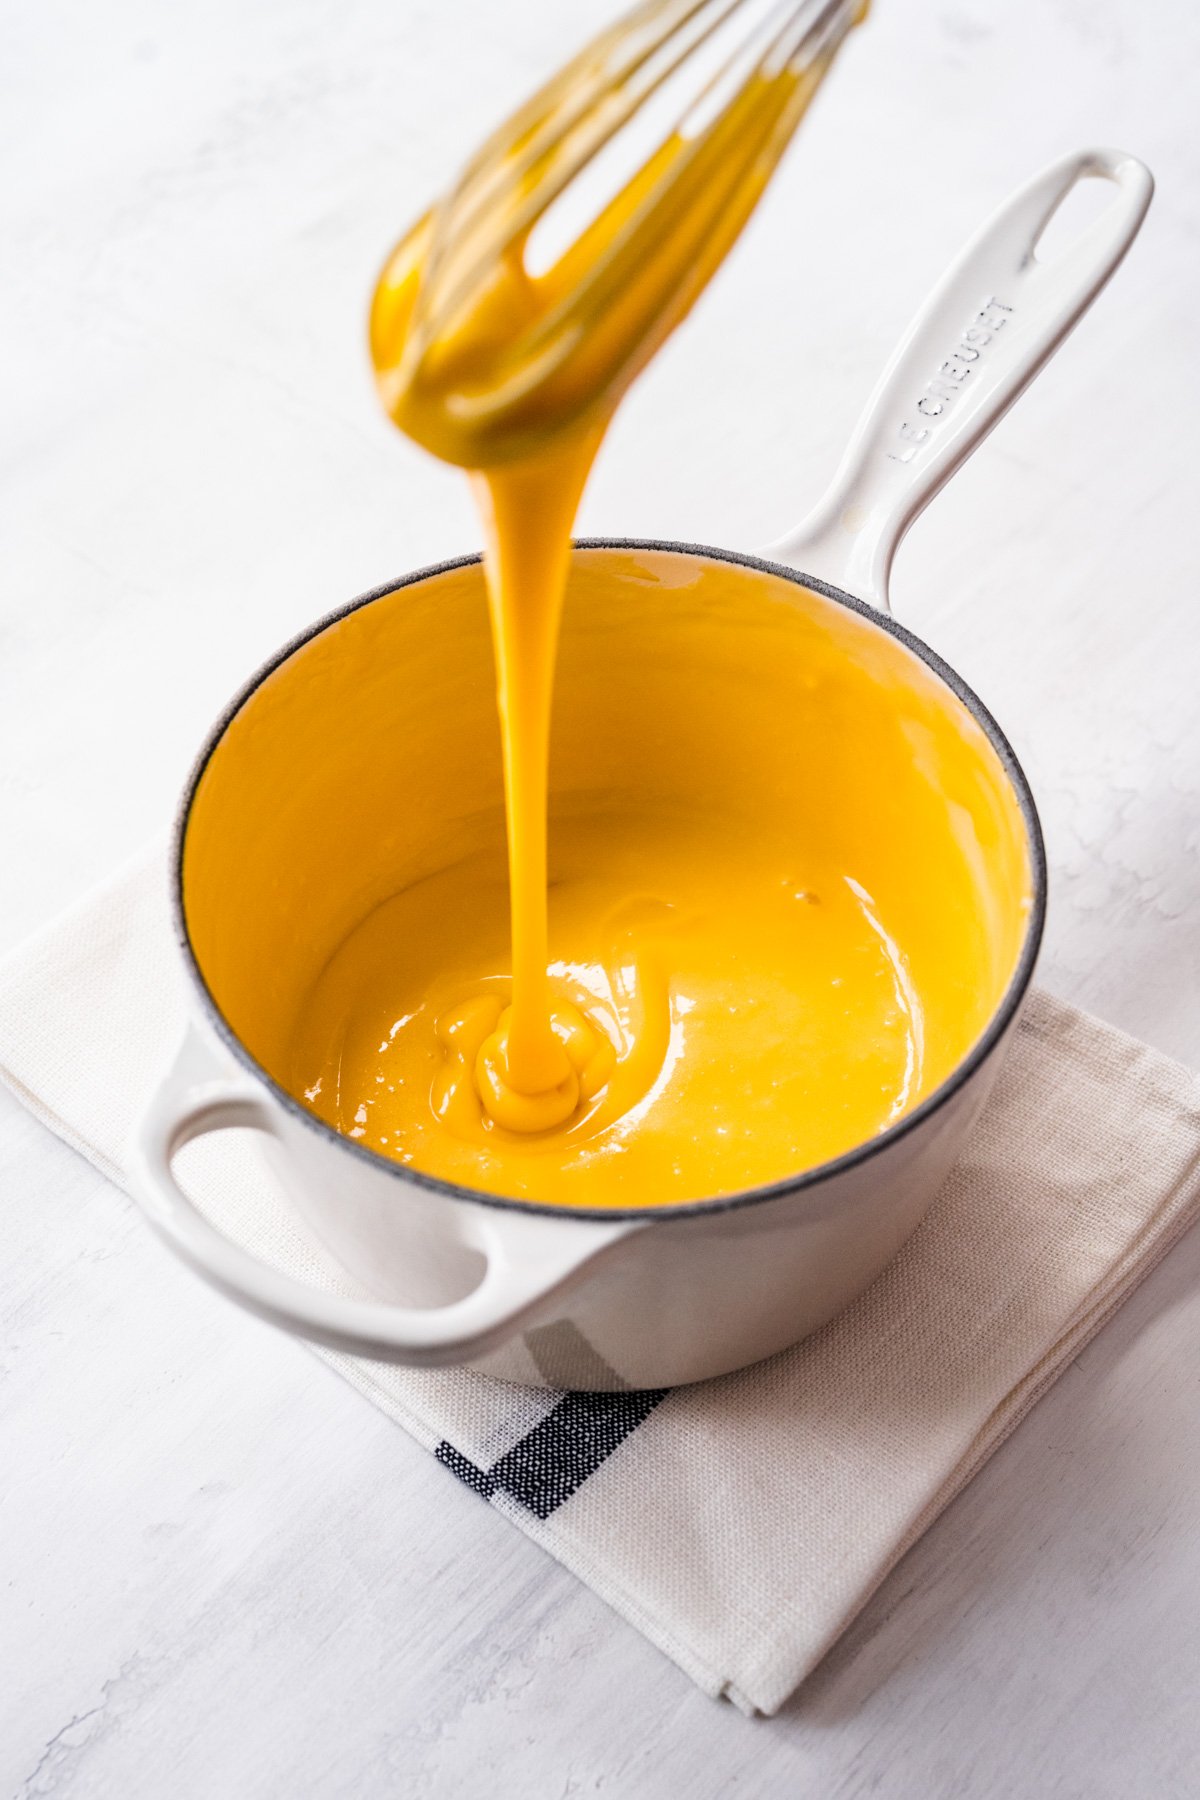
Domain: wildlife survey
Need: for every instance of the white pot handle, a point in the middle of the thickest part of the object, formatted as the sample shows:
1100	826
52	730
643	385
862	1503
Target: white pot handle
995	317
528	1258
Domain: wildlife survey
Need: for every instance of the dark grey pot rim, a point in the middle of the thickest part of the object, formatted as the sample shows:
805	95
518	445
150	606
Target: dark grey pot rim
793	1184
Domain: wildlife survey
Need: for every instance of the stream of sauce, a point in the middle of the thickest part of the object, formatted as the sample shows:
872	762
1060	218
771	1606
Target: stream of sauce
518	385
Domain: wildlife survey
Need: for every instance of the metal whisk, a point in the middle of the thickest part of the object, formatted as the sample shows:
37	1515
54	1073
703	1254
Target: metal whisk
755	63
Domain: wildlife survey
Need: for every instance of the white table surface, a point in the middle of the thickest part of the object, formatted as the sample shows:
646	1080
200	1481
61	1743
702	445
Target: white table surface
223	1573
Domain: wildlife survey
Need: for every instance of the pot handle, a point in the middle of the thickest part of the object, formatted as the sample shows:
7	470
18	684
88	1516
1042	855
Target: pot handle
996	316
528	1258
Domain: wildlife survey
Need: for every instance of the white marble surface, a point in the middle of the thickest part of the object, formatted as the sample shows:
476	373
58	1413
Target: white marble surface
222	1572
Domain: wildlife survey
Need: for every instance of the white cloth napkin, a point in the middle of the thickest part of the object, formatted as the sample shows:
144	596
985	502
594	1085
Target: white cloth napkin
742	1523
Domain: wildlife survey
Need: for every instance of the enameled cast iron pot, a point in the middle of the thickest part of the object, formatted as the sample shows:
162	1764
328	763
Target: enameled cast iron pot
652	1297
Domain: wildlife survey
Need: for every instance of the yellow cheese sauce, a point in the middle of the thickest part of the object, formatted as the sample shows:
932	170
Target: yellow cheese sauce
788	879
709	977
743	1029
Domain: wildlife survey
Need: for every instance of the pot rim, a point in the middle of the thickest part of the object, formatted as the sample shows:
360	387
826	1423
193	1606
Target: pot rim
803	1180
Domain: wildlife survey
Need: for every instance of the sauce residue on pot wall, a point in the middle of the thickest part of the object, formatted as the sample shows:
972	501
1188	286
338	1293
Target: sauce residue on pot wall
788	877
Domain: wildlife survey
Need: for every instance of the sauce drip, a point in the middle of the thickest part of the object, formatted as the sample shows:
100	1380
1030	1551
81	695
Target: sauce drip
516	380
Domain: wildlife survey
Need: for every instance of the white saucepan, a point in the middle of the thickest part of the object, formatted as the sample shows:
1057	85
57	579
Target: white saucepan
648	1297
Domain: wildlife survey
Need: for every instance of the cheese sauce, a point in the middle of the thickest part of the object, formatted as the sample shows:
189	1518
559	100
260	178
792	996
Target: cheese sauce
788	880
518	387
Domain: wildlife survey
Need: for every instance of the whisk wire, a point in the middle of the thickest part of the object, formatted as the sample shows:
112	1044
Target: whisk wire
529	162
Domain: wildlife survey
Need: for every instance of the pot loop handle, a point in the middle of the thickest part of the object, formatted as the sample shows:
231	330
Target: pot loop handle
996	316
529	1258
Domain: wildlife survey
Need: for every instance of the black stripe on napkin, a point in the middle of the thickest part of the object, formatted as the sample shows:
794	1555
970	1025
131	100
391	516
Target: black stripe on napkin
558	1455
